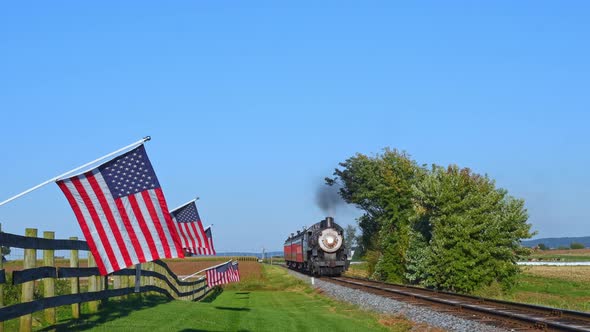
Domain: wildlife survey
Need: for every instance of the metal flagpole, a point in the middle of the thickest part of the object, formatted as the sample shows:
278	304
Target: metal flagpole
145	139
187	203
209	268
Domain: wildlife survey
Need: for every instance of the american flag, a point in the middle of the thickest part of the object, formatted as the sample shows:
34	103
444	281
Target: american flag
235	275
122	212
208	249
189	227
222	274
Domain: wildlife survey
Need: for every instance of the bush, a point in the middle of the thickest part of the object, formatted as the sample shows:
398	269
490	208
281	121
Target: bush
577	245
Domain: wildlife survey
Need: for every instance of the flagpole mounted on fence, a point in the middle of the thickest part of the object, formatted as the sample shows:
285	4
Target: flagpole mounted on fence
209	268
132	145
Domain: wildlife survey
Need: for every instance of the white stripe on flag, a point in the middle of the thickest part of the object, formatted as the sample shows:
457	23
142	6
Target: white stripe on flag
162	220
124	234
158	245
117	262
145	249
89	224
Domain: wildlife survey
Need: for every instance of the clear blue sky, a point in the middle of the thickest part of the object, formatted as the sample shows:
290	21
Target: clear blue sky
251	104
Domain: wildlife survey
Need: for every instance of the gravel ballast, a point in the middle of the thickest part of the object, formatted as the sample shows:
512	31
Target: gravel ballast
385	305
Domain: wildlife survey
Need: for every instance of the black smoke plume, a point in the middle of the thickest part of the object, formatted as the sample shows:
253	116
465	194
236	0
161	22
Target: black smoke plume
328	199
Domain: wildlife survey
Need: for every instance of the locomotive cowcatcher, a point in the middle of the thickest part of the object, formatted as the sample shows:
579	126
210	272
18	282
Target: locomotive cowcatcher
318	250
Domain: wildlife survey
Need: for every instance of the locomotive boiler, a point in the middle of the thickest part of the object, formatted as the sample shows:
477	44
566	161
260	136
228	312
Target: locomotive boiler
318	250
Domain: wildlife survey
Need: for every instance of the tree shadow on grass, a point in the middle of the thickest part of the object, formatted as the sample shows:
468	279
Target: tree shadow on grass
197	330
232	309
112	310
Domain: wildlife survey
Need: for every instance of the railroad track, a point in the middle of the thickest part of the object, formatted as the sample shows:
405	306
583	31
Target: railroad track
510	315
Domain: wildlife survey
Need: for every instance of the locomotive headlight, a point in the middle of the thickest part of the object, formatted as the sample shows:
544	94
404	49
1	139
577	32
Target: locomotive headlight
330	240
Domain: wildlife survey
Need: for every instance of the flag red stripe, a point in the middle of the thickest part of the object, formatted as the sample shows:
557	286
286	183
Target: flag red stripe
96	221
184	240
132	236
203	234
196	239
210	241
80	217
154	216
192	243
192	230
169	222
111	219
143	226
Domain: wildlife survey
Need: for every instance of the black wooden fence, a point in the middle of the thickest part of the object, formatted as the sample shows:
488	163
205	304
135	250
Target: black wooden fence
154	277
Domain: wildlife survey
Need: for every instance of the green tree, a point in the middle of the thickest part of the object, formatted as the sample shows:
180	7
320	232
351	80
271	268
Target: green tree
350	236
577	245
4	251
467	232
542	246
381	186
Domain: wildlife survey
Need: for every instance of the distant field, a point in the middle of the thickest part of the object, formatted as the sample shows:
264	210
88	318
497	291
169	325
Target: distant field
572	255
270	301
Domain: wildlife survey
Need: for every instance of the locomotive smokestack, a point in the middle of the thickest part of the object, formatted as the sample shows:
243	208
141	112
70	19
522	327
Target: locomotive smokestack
329	221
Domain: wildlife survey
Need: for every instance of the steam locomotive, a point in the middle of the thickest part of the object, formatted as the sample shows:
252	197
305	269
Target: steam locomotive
318	250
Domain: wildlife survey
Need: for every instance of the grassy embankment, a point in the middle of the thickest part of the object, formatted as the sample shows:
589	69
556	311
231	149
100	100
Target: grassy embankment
566	287
269	301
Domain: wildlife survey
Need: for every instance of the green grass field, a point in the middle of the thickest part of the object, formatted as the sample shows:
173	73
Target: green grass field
566	287
275	302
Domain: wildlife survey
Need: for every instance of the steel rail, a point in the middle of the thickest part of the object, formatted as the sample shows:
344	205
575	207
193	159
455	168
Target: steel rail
491	307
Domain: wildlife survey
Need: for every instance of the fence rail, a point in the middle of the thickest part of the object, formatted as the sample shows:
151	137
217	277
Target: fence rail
152	277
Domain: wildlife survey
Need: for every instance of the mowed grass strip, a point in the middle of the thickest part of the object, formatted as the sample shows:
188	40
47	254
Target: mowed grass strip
272	301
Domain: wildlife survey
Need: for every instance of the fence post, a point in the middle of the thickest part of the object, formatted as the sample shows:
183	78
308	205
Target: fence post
49	283
28	288
92	284
149	280
75	262
124	283
117	283
1	285
137	278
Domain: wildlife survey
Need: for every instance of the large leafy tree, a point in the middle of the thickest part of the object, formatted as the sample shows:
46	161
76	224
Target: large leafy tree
447	228
468	231
350	236
381	186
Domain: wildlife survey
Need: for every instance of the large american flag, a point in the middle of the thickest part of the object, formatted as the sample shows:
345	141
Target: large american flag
189	227
122	212
208	249
222	274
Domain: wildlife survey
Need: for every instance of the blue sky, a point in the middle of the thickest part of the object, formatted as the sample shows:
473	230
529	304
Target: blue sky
251	104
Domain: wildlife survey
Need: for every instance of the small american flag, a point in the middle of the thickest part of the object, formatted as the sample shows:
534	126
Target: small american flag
121	209
235	275
208	249
189	227
221	274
